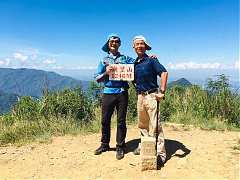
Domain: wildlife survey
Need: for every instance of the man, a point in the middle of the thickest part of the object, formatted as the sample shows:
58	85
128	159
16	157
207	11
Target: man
115	95
146	73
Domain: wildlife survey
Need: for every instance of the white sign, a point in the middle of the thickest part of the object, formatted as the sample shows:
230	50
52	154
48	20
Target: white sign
122	72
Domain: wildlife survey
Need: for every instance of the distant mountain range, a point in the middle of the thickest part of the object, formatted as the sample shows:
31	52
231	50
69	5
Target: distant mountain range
6	101
15	83
31	82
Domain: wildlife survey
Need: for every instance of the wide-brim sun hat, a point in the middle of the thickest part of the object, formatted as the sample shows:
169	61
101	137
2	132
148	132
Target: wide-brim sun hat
140	37
105	47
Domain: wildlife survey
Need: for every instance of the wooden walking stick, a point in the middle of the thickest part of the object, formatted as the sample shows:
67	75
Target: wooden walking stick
156	134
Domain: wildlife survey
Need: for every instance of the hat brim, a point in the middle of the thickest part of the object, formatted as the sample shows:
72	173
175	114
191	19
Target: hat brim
148	47
105	48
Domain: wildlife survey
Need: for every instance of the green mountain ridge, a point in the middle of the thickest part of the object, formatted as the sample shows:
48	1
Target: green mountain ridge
180	82
32	82
7	101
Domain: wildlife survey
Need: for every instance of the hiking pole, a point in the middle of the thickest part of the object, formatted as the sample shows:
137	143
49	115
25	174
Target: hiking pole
156	134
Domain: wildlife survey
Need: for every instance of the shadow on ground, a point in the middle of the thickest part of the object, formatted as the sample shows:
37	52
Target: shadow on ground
132	145
171	146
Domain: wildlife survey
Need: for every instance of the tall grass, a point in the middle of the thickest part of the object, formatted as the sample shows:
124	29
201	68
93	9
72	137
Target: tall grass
201	106
56	113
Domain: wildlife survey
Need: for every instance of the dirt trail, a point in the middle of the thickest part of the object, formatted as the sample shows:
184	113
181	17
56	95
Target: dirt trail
71	157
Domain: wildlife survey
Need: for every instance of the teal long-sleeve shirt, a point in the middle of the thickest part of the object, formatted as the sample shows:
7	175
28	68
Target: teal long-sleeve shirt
111	86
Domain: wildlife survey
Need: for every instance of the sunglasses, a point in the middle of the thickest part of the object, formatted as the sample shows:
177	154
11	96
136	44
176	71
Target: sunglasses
112	41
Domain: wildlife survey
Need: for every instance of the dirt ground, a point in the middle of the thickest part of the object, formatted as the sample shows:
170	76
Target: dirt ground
211	156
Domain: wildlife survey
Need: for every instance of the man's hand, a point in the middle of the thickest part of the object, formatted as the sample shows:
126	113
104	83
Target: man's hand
153	56
109	69
160	96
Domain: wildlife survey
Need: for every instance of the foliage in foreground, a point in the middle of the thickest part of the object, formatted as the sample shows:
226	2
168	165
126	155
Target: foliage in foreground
72	111
56	113
217	101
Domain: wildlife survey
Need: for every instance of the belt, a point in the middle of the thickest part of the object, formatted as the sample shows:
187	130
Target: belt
148	92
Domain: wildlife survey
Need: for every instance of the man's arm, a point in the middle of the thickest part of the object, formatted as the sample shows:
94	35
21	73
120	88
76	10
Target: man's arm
161	95
164	78
101	72
153	56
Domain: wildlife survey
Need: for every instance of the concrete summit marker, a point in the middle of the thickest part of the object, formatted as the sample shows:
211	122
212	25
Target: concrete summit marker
148	154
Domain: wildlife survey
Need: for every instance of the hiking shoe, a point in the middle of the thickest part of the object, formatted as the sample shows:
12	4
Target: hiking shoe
102	148
137	151
160	162
119	153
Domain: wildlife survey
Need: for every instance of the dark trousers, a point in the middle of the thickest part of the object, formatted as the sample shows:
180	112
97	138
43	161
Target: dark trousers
109	103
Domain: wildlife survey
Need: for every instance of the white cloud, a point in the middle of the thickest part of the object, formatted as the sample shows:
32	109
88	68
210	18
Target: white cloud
237	65
2	62
194	65
49	61
57	67
83	67
33	53
5	62
31	58
20	56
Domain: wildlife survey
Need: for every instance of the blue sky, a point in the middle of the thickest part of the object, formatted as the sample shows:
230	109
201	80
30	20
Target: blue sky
67	36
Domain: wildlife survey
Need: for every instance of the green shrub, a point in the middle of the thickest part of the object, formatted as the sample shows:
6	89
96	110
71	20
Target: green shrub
73	103
27	109
7	120
132	104
56	113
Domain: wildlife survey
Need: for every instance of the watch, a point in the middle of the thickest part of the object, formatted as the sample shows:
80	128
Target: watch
162	92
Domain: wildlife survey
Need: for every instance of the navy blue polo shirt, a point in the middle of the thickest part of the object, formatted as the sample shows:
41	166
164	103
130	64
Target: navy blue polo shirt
146	72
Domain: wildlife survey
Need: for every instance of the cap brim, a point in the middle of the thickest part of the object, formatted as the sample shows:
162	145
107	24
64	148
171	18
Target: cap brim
148	47
105	48
140	37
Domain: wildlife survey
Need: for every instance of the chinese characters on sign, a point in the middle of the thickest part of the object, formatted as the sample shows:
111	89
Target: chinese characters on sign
122	72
